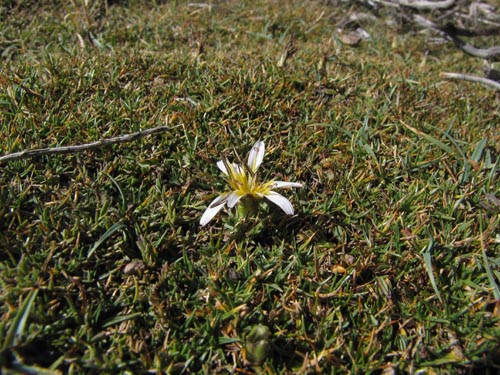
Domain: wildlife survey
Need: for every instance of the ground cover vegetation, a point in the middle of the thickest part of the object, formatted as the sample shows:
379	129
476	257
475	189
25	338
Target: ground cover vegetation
390	264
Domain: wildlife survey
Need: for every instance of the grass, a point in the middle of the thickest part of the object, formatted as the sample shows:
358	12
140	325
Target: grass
390	265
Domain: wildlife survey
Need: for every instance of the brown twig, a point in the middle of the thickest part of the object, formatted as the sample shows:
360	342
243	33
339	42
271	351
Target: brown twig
485	53
423	4
17	81
79	148
467	77
452	29
417	4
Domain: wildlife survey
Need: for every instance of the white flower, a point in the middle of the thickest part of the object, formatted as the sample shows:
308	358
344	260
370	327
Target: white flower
243	182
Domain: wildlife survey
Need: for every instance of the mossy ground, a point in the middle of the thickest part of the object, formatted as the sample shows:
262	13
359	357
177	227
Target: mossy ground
390	265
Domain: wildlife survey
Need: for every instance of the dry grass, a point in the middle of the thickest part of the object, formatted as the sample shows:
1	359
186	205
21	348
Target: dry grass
390	264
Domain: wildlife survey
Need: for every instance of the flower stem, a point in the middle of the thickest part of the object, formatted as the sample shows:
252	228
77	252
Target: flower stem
247	206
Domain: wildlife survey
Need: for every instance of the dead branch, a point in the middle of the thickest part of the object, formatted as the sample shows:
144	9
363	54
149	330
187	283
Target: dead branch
491	53
452	29
428	5
79	148
417	4
466	77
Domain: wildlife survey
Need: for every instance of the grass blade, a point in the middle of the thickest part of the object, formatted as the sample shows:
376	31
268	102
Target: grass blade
115	227
426	252
430	138
20	320
120	319
478	151
489	273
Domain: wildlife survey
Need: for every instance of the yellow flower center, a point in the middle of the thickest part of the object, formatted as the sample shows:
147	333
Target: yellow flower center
244	182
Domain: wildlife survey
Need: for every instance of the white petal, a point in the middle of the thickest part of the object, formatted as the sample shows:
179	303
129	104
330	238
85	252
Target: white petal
213	208
222	167
284	184
221	199
234	168
281	201
256	155
209	213
233	199
238	169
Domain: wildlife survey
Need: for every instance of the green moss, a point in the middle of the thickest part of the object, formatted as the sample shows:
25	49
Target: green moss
399	169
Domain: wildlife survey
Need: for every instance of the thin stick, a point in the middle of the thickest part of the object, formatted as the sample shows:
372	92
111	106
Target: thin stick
423	4
417	4
467	77
491	53
79	148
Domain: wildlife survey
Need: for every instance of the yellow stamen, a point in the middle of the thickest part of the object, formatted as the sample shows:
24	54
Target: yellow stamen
243	182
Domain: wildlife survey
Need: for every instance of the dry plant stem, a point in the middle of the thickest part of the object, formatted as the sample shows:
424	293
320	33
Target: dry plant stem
452	29
492	53
467	77
423	4
79	148
418	4
17	81
485	53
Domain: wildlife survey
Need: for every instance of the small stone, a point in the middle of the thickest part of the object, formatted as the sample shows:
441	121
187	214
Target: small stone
133	267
